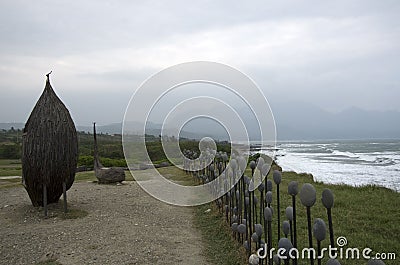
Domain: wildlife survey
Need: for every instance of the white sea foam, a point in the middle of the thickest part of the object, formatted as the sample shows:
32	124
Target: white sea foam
345	154
338	163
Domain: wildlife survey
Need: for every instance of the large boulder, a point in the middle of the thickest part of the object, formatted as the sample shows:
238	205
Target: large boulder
110	175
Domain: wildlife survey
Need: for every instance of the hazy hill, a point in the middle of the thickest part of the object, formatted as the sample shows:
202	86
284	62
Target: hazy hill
294	121
304	121
9	125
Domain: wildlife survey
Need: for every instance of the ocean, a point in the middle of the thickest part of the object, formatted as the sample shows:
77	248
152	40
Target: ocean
352	162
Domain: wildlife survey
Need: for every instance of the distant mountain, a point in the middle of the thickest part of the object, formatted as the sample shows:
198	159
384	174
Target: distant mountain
294	121
113	128
116	128
308	122
152	128
9	125
110	128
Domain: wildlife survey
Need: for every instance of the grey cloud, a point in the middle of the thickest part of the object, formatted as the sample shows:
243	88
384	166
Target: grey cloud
345	53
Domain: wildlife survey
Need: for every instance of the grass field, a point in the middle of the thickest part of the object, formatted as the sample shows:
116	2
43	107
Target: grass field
366	216
10	167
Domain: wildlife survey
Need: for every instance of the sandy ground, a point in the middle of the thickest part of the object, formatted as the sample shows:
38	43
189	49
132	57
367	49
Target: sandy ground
124	226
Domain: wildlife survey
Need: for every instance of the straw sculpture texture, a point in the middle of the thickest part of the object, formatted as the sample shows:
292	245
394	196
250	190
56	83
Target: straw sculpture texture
49	148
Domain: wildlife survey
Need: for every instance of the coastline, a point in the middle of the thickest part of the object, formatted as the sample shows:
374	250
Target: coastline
352	162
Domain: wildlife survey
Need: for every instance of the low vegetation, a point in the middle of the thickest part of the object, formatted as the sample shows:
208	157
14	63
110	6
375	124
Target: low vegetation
109	147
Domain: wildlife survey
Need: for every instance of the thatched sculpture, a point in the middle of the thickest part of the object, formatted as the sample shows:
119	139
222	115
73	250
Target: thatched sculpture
49	150
103	174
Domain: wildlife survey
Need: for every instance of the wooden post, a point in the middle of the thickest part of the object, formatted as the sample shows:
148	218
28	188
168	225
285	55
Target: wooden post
65	196
45	199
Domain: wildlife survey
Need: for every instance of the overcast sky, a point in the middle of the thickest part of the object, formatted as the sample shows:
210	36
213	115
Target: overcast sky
333	54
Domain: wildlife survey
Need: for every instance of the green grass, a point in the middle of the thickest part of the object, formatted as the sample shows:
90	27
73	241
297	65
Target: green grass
366	216
176	175
10	167
89	176
85	176
8	162
128	176
220	247
10	172
13	168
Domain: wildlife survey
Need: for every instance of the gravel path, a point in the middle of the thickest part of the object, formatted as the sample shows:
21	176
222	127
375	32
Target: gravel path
124	226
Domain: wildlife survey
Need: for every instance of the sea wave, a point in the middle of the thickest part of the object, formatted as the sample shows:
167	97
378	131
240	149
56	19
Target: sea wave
354	163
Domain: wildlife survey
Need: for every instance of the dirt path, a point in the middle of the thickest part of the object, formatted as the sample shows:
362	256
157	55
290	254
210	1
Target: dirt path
124	226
